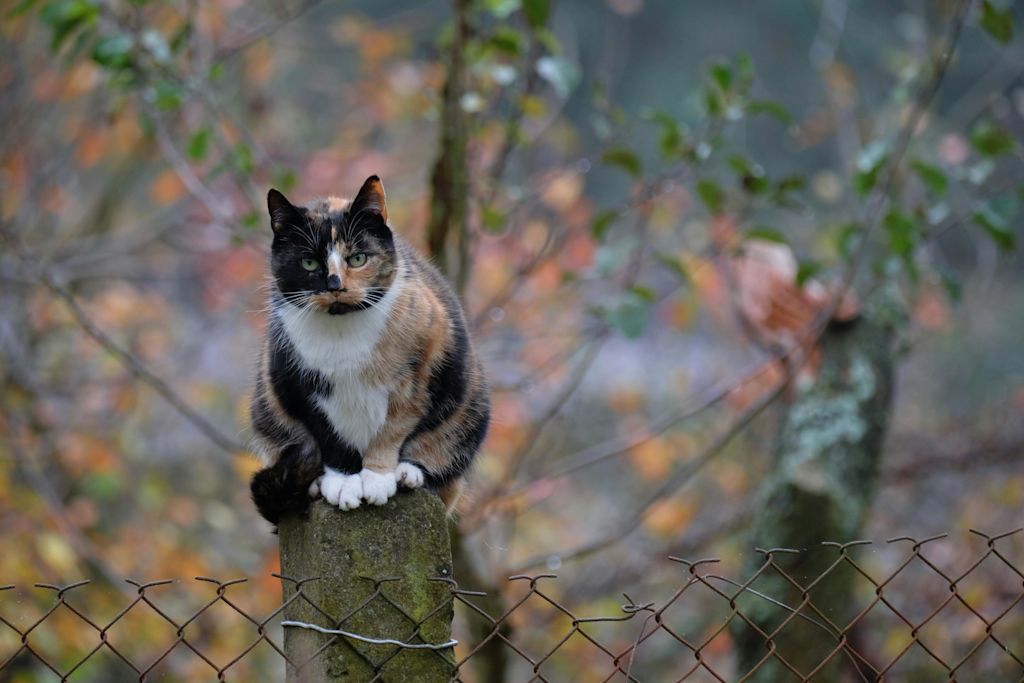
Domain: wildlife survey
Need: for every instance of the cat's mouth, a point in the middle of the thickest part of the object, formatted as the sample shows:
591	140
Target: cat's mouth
338	303
339	308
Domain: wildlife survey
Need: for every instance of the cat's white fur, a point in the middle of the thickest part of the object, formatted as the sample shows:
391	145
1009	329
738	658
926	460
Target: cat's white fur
378	486
343	490
409	475
340	347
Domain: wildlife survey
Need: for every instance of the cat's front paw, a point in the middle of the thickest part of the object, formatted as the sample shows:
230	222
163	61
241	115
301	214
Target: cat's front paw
378	487
409	475
343	490
314	488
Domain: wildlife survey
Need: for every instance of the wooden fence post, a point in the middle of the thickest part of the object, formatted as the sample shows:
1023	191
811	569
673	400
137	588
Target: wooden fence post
375	566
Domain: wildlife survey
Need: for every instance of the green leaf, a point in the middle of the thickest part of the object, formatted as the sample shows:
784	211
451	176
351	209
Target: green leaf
751	174
902	232
502	9
990	140
712	195
932	176
848	239
997	23
805	270
671	133
492	219
771	108
102	485
547	40
181	37
20	8
766	233
721	73
643	293
675	264
198	144
630	316
114	51
790	183
251	220
996	227
241	158
713	104
623	158
603	221
506	40
66	16
536	12
870	162
284	178
167	95
739	163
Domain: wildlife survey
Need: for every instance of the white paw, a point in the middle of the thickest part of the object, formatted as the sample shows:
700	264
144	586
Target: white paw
377	487
409	475
343	490
314	488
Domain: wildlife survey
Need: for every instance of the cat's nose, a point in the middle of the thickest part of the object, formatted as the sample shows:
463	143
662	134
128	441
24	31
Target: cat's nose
334	284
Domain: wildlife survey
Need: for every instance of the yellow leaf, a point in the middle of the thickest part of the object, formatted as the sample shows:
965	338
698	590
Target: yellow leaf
56	552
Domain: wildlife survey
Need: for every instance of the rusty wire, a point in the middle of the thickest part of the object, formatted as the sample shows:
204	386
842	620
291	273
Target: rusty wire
623	646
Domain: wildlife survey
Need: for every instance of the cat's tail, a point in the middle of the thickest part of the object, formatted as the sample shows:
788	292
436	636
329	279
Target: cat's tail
284	487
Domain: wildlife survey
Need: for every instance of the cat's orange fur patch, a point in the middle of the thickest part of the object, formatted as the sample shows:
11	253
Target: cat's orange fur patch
338	204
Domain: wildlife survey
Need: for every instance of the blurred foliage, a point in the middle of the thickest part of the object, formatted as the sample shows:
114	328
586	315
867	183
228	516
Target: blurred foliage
636	195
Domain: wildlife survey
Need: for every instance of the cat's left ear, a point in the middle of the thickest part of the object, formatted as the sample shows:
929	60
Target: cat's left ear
283	213
371	199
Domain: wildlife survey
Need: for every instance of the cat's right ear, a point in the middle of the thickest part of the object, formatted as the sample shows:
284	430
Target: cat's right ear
282	212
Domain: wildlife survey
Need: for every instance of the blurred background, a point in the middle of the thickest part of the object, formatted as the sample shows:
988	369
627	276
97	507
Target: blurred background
658	214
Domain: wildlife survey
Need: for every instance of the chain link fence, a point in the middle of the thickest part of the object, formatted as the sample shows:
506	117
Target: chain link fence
919	610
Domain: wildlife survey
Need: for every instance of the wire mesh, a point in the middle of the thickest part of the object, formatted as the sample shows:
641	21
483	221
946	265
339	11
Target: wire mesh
913	609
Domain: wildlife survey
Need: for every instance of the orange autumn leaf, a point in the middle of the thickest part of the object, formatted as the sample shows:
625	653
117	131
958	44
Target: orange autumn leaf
668	518
652	459
167	187
91	148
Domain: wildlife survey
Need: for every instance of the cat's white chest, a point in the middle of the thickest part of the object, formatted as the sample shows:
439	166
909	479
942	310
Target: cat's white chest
355	409
341	348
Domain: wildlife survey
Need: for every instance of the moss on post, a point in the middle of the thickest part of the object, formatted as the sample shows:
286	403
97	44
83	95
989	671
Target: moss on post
406	540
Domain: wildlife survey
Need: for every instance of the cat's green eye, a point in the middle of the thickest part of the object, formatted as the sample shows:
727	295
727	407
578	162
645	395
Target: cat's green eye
356	260
310	264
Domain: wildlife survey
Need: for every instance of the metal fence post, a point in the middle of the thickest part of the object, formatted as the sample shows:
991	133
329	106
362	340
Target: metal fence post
381	576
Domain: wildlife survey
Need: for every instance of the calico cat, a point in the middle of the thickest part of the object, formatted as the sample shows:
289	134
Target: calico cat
367	379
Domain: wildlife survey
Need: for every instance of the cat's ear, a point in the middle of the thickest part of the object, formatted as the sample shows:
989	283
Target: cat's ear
371	199
282	212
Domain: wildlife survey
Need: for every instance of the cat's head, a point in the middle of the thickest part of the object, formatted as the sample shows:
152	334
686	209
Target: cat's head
335	256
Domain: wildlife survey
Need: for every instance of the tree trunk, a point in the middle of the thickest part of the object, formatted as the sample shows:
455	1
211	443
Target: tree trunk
396	549
826	463
448	231
448	243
